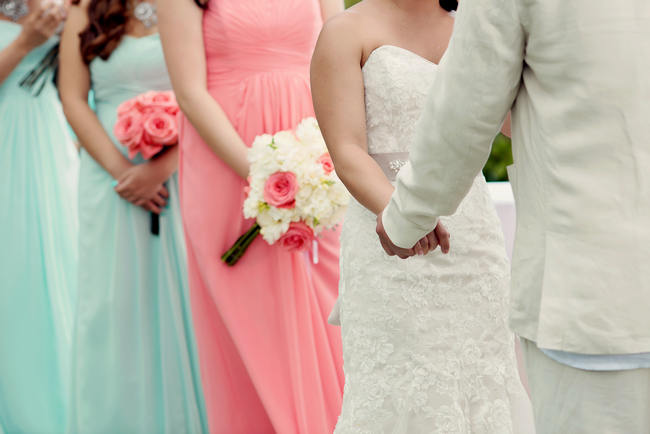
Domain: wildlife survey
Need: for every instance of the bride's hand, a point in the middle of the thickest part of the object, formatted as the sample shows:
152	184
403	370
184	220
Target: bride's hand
437	237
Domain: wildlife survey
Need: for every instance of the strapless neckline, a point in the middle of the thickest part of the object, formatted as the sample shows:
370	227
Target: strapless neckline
374	53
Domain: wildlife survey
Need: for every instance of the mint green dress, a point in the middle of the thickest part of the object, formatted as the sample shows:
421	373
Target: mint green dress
135	363
38	250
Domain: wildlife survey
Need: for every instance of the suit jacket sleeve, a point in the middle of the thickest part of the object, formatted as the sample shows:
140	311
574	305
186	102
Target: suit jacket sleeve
476	85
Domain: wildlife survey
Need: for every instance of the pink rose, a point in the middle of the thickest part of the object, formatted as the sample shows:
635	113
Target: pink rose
160	128
128	106
154	101
326	161
299	236
128	130
280	190
148	150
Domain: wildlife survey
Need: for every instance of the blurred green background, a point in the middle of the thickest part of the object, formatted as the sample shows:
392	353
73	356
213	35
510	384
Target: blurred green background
501	155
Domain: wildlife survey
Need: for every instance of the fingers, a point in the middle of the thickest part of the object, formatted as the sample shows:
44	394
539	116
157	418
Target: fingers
422	247
151	206
159	200
120	187
52	21
387	248
49	15
125	193
164	192
443	237
403	253
433	241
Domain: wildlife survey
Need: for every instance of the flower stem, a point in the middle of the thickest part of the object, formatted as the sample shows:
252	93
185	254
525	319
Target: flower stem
238	249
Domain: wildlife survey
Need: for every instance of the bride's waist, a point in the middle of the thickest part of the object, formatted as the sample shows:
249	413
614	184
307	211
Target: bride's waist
390	162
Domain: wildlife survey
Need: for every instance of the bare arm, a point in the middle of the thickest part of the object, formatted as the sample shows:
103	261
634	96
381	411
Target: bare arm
11	56
337	87
74	84
329	8
39	26
180	23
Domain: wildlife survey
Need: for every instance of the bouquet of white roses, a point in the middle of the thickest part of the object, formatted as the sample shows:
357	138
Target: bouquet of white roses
293	191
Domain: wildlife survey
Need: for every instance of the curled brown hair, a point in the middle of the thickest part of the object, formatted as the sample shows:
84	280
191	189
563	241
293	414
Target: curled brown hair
107	21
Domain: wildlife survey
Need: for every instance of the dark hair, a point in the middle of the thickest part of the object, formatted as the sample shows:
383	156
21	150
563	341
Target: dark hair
107	20
449	5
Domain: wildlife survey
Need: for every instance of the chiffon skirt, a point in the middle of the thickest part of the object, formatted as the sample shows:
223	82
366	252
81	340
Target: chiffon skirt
38	254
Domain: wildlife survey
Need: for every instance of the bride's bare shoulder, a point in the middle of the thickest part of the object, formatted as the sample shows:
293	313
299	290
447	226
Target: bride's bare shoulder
349	31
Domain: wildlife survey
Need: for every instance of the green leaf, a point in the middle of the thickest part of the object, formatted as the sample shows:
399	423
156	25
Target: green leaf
500	158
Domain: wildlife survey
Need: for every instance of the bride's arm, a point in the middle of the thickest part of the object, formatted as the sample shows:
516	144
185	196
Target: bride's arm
180	23
338	93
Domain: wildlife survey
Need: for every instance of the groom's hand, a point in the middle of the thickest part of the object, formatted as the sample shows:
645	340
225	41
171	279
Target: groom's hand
438	237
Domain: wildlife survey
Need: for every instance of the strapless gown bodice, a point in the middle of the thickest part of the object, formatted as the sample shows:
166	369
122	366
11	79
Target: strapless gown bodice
252	37
136	66
394	99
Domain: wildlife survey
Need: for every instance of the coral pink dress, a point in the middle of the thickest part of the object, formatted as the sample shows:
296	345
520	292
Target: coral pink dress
269	360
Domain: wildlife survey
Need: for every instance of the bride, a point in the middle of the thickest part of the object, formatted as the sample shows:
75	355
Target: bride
425	340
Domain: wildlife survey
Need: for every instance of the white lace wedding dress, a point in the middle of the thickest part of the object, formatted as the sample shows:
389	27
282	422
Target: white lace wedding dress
426	345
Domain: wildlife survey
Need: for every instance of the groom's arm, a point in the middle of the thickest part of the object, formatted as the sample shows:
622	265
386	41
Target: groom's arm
476	85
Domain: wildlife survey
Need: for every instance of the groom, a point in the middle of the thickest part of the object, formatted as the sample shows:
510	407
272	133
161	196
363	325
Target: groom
576	75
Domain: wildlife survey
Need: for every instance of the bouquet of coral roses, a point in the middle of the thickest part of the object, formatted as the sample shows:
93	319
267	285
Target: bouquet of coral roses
147	124
293	191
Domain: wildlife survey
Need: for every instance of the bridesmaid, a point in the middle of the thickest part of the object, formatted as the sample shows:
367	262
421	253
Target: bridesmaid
135	369
38	228
269	361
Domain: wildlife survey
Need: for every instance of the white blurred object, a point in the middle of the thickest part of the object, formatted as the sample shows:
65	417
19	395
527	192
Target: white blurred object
14	9
504	203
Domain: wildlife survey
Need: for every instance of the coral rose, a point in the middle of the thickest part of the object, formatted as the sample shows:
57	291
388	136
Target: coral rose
160	128
299	236
153	101
326	161
280	190
129	105
129	131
